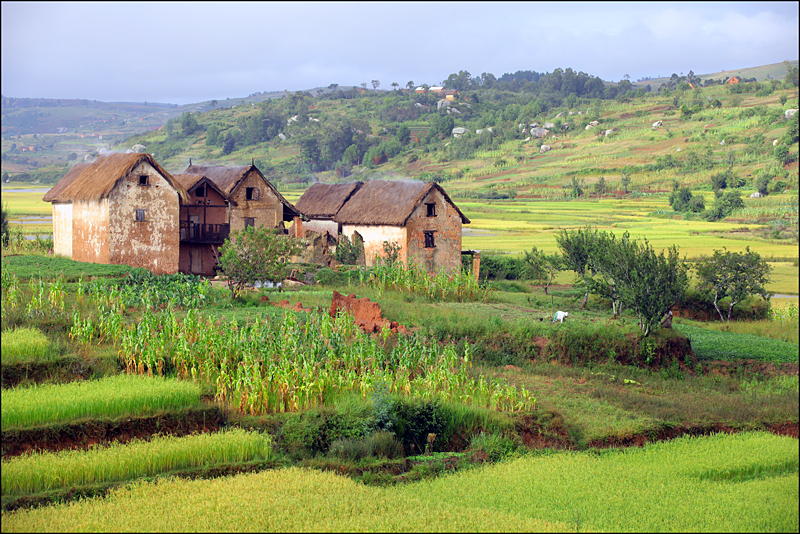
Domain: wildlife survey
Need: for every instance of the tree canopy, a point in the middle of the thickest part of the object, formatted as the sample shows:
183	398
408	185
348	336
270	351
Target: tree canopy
733	274
255	255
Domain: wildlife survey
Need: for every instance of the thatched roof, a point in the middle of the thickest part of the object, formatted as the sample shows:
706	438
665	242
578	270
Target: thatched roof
323	201
55	192
391	203
190	182
98	179
227	178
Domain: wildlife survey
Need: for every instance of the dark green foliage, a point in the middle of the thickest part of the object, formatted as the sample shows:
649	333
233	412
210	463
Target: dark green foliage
414	421
724	205
349	252
313	432
4	226
781	154
735	275
683	200
495	267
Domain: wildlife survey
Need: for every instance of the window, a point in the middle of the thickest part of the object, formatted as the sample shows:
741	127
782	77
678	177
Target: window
144	179
200	191
251	193
429	242
140	216
249	222
431	209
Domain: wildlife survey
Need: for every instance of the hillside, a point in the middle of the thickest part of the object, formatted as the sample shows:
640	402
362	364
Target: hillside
596	135
703	132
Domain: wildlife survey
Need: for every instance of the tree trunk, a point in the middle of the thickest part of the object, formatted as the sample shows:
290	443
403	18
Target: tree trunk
722	317
730	309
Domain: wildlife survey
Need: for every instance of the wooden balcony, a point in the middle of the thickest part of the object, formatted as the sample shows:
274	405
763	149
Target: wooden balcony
204	233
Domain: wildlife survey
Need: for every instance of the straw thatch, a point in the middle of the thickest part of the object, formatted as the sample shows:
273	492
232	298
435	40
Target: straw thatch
98	179
390	203
190	182
55	192
323	201
227	178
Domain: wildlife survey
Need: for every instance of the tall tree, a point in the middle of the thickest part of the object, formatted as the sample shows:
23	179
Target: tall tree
735	275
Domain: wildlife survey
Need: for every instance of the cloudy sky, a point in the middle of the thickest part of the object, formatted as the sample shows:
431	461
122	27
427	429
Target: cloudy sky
191	52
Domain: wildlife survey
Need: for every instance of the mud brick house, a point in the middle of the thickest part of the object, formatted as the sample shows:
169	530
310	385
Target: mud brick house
321	202
253	200
120	209
418	216
204	224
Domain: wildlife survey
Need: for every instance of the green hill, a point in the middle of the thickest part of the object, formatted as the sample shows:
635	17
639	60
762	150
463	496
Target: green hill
597	135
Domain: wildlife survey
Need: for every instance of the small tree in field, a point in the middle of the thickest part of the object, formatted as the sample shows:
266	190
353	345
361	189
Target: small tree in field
576	249
542	267
651	283
735	275
255	255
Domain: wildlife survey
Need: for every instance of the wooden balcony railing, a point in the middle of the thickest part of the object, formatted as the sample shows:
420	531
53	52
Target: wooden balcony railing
204	233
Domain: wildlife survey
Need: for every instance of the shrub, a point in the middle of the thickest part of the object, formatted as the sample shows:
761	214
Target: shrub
415	421
378	445
503	268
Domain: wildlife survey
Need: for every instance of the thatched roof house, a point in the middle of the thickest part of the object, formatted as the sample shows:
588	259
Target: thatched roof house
54	193
96	180
255	201
392	203
321	202
417	216
120	209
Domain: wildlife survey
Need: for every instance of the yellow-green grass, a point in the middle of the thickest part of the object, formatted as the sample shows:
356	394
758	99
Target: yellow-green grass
741	482
19	204
108	398
34	473
517	226
784	278
24	345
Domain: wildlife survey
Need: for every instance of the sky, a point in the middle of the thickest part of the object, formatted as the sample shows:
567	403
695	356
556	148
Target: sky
189	52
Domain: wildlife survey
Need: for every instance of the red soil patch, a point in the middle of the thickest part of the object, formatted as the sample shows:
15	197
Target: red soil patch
367	314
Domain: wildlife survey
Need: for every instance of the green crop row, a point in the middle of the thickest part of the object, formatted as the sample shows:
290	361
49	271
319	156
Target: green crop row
38	472
264	367
737	483
110	397
715	345
414	279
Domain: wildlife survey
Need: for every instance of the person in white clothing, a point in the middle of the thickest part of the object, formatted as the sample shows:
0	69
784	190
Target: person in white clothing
559	316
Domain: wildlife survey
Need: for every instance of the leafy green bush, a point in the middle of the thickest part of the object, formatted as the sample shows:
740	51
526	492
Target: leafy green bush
503	268
415	421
